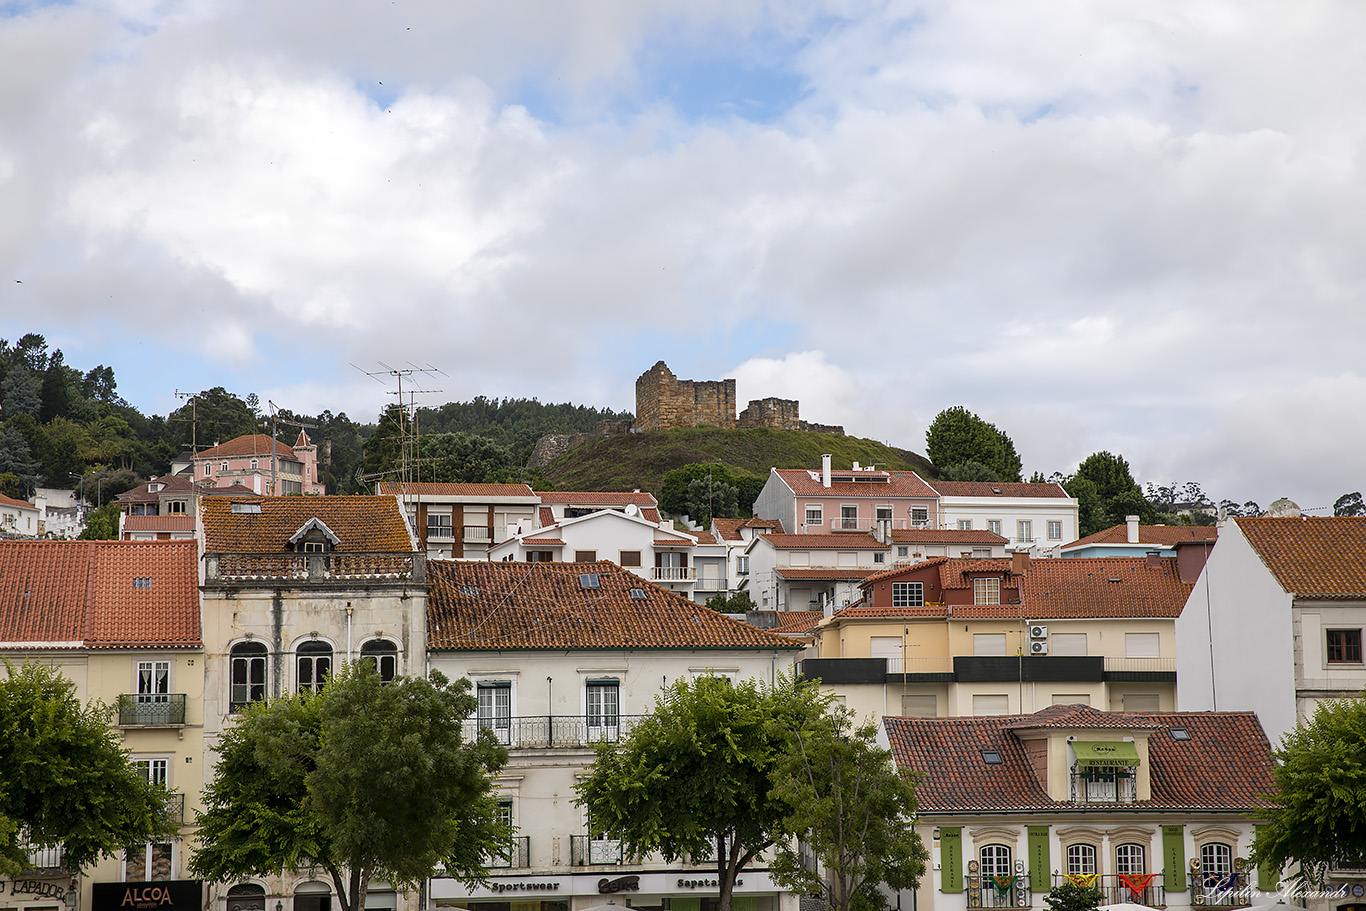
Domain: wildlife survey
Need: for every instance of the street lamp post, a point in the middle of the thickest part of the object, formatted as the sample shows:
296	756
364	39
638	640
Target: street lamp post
99	489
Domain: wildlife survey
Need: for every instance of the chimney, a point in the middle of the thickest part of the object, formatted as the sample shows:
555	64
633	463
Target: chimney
1132	522
856	465
1019	563
825	470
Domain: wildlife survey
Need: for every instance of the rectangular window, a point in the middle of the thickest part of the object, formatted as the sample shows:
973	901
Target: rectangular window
908	594
920	515
152	770
922	706
1024	531
585	556
629	558
494	708
988	644
147	863
1054	531
994	526
223	466
1141	645
742	565
602	699
253	465
439	525
882	513
540	556
154	681
848	518
879	558
965	525
888	647
1344	646
1068	644
813	515
993	704
986	591
1141	702
175	508
903	552
208	469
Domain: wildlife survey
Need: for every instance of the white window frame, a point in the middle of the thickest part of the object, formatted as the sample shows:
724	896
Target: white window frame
1054	530
986	590
1142	645
154	681
1082	858
813	511
848	522
1024	531
155	770
493	712
1124	859
602	708
883	511
965	525
988	645
994	526
919	515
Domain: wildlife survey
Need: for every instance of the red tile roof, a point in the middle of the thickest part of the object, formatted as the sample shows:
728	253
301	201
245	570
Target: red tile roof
455	491
252	444
805	483
10	501
362	524
1322	558
756	522
704	537
547	516
591	498
728	529
999	489
103	594
158	523
836	574
1160	535
796	622
1103	587
171	483
824	542
543	542
1226	764
945	536
481	606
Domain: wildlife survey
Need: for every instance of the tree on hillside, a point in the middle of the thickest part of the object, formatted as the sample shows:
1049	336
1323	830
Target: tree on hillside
215	416
697	773
382	455
16	459
55	391
710	496
67	779
365	780
1317	816
1119	493
1349	504
957	435
852	809
20	393
462	458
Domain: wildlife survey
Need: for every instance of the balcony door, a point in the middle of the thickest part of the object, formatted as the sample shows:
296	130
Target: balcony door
154	681
494	709
603	709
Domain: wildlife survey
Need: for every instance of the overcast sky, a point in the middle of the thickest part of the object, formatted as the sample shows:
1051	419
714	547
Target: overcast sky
1138	227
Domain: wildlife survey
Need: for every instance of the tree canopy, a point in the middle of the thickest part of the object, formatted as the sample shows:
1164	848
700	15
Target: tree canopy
853	809
1317	817
364	779
957	435
677	495
697	773
67	780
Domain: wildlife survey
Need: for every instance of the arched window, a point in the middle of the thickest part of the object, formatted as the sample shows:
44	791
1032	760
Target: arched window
248	674
1081	859
246	897
314	664
384	654
1216	864
1131	859
995	860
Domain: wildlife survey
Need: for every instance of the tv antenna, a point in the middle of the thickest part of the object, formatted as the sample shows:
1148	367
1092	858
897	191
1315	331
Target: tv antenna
409	461
194	418
274	456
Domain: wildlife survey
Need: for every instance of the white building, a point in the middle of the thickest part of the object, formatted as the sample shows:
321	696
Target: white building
19	519
812	571
562	655
1032	517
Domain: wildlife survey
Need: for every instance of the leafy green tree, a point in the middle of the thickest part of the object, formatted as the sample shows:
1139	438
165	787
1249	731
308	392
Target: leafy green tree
1091	514
970	471
1349	504
17	459
852	809
709	497
738	603
215	416
102	524
20	393
1069	896
67	779
365	780
55	393
957	435
382	455
696	774
1317	817
99	385
462	458
1119	493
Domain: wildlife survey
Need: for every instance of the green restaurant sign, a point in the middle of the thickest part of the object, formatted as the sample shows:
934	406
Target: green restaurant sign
1105	754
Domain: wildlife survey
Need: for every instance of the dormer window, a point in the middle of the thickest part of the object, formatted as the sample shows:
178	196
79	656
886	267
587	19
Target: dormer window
1105	771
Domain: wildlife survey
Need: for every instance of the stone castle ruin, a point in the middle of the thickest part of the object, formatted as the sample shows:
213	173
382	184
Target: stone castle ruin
664	401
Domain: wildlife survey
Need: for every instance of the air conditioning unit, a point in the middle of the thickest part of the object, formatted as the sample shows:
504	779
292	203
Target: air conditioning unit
1038	632
1038	647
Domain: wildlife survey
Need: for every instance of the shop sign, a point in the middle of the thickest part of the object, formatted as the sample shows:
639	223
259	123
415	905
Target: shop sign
45	888
705	883
620	884
169	895
523	886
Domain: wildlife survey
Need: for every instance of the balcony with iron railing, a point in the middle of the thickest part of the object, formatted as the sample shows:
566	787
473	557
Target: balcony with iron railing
988	890
47	861
517	856
1147	889
586	851
674	574
479	533
231	569
151	709
440	532
532	732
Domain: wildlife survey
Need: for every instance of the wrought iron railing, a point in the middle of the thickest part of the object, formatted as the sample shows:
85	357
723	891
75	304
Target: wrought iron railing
585	851
1136	888
1220	889
551	731
313	567
517	857
175	807
151	709
1008	890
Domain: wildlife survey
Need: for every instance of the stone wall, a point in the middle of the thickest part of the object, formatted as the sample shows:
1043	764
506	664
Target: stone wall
778	414
664	401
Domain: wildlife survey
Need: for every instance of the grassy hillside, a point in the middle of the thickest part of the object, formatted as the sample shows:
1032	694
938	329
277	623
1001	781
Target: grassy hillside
628	461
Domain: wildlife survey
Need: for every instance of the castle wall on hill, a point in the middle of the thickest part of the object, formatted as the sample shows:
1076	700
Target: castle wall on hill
664	401
778	414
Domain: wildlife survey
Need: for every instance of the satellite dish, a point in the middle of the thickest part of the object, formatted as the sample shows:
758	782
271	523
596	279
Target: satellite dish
631	509
1283	509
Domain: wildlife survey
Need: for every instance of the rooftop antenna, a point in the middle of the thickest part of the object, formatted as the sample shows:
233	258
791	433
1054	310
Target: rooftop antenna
409	470
276	419
194	417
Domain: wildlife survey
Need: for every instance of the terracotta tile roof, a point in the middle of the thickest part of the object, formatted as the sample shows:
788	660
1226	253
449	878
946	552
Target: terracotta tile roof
728	529
650	514
480	605
704	537
958	572
805	483
590	498
672	542
547	516
1161	535
797	622
756	522
10	501
171	483
898	570
236	488
158	523
816	572
362	524
945	536
825	542
999	489
1226	764
1320	557
544	542
1103	587
70	592
456	491
252	444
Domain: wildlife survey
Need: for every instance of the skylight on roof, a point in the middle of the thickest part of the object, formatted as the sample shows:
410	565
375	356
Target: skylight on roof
246	508
142	582
470	590
991	757
638	594
589	580
1180	734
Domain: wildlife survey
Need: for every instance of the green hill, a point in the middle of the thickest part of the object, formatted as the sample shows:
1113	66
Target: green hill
630	460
